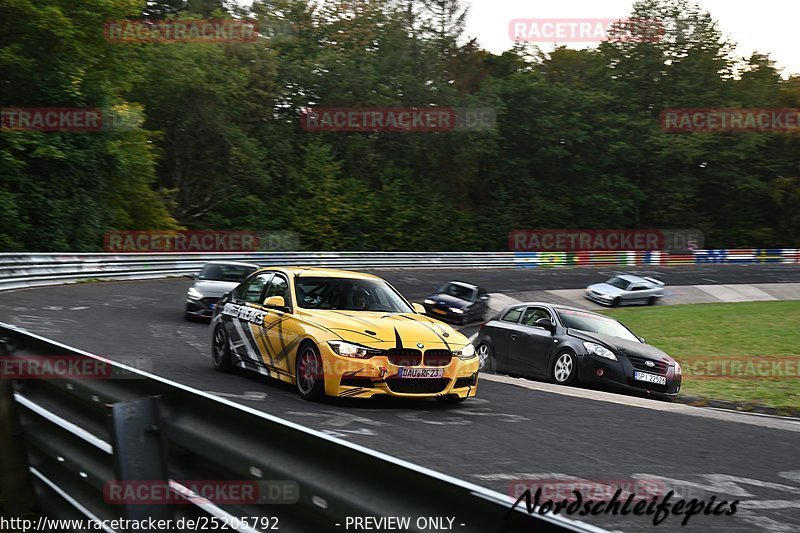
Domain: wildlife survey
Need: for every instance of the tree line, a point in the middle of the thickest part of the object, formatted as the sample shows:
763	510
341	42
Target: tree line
578	141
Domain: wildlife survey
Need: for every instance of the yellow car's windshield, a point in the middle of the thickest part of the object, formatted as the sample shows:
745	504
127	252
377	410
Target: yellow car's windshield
347	294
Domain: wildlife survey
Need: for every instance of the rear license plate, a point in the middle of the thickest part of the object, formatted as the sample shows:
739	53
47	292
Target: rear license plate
212	306
440	311
421	373
650	378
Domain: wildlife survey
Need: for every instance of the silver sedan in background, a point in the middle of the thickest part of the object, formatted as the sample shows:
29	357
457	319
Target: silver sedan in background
625	289
216	278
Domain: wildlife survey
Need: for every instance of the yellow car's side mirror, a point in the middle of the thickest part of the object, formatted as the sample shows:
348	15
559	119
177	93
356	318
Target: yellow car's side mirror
275	301
418	308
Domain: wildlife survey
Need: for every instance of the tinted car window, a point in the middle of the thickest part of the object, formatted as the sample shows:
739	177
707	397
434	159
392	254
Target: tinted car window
458	291
349	295
532	314
512	315
278	287
250	291
592	323
215	272
618	283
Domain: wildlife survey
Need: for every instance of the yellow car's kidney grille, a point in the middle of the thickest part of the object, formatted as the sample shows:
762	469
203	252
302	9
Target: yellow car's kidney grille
404	357
438	357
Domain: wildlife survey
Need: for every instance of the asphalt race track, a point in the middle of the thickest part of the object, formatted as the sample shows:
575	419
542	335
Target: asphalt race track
508	433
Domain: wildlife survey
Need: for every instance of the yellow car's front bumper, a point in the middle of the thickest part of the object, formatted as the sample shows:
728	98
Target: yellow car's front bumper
365	378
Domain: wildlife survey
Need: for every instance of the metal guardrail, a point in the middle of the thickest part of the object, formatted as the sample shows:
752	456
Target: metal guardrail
80	434
20	270
32	269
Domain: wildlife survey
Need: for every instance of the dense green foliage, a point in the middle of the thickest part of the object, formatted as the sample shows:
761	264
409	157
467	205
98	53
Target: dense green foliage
578	142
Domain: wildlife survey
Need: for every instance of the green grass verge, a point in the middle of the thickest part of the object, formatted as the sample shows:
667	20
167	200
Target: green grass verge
761	338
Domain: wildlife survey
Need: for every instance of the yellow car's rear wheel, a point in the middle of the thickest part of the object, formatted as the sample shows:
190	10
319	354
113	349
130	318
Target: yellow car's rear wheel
221	350
310	374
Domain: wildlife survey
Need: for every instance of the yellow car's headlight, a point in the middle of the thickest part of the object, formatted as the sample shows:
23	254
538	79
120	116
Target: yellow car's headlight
467	352
346	349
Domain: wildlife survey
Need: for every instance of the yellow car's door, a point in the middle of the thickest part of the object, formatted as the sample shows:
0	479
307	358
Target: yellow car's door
279	335
243	317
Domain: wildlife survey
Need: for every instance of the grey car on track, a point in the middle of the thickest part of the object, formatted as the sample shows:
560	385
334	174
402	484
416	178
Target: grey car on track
625	289
571	346
215	279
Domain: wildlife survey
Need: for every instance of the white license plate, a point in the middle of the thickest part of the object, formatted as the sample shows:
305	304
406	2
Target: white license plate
650	378
421	373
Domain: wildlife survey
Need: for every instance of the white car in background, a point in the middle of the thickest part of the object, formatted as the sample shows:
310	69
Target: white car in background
625	289
216	279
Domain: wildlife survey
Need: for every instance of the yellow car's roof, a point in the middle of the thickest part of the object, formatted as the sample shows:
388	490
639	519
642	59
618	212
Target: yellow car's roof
318	272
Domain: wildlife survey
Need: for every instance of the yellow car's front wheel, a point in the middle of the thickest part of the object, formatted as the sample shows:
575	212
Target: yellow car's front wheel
310	374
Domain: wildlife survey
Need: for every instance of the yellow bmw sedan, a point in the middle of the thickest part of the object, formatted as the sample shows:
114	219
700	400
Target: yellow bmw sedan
339	333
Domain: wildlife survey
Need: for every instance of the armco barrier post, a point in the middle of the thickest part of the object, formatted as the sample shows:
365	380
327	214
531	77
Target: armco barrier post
16	488
139	445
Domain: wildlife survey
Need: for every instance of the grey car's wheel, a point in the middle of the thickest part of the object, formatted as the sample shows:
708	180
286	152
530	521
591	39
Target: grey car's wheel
221	350
310	376
564	370
616	302
485	359
651	300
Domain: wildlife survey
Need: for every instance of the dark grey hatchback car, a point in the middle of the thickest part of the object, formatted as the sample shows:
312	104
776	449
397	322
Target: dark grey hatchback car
569	346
